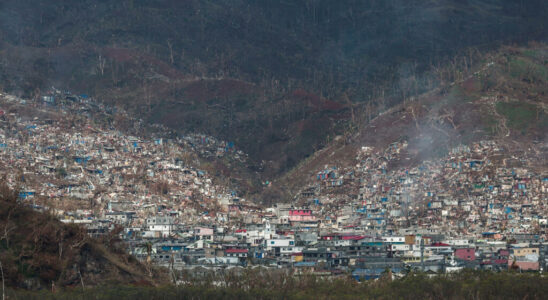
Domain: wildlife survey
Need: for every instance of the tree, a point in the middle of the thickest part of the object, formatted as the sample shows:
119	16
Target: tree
101	63
3	287
170	47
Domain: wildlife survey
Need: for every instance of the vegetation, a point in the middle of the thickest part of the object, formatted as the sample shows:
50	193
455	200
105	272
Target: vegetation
478	102
42	258
38	251
277	78
465	285
526	69
518	115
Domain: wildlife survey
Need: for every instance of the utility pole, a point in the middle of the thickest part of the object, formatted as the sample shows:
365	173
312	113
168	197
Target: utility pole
541	259
3	289
422	254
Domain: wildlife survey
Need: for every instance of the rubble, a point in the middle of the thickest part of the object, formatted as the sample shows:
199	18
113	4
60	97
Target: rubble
479	206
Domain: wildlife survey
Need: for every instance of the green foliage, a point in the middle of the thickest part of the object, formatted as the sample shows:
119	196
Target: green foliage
468	284
519	115
525	69
456	95
36	249
532	53
490	123
61	172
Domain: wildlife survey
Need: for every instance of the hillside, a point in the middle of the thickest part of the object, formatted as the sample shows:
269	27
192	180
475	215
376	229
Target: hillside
277	79
235	147
503	98
38	251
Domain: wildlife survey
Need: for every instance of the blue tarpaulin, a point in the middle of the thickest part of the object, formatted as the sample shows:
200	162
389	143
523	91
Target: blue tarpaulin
80	160
25	195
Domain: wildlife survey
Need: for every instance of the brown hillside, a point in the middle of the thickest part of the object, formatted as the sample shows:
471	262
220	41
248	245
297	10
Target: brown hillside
504	98
38	251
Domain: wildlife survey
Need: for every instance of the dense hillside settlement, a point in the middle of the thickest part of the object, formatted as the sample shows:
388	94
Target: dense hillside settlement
315	149
481	206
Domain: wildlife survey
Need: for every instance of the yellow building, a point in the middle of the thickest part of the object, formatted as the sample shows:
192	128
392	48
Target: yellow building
525	251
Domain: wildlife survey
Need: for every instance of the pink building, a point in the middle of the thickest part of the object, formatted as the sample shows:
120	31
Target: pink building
465	253
353	237
300	212
301	215
203	233
524	265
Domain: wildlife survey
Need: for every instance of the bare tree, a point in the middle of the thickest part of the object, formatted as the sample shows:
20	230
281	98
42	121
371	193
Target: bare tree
170	46
101	63
414	114
3	287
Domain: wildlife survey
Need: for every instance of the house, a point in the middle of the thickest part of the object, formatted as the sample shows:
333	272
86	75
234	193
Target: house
327	174
235	252
523	265
468	254
301	215
309	192
160	226
48	99
317	255
120	217
203	233
280	246
525	251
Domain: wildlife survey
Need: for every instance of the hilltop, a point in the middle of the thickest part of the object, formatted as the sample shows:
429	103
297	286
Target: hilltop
277	79
502	98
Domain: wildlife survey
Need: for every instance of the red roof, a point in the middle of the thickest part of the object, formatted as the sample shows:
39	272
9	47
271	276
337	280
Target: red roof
501	261
440	244
241	230
236	250
353	237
